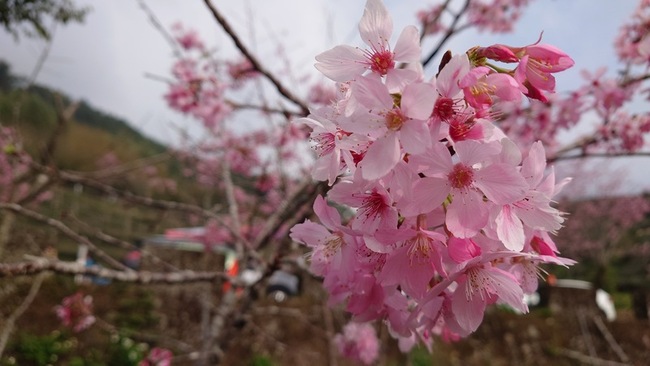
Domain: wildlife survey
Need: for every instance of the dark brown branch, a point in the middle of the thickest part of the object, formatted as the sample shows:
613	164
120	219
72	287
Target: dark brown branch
254	61
426	24
291	206
451	31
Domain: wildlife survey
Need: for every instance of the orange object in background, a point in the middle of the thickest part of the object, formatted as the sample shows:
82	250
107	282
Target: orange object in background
232	270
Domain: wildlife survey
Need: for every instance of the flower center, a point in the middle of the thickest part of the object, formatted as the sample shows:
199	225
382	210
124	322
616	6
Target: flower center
461	176
324	143
333	244
458	130
381	62
395	119
420	249
373	205
478	282
444	108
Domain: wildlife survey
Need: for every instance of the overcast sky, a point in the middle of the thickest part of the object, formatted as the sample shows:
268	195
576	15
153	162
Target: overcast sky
105	59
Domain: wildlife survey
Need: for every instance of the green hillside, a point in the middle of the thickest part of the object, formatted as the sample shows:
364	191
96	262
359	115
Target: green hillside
32	111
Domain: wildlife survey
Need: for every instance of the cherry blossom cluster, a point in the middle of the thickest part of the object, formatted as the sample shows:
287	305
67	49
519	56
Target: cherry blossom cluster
157	357
497	16
200	81
16	183
358	342
633	41
439	213
76	311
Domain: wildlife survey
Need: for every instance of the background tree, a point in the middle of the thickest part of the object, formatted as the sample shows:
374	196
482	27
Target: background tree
31	17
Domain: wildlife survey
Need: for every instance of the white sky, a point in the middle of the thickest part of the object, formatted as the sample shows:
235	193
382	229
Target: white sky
104	60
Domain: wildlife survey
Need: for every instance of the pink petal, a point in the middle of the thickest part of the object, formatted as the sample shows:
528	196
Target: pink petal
427	194
461	250
381	157
451	74
309	233
341	63
376	25
415	136
467	214
510	230
407	48
418	100
327	215
508	289
501	183
468	312
472	152
373	94
532	168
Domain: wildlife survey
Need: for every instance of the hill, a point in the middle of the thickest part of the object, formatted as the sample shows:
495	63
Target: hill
32	110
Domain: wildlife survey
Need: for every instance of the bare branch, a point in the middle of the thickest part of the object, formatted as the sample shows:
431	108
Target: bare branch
289	207
141	200
123	244
61	227
451	31
156	23
254	61
11	320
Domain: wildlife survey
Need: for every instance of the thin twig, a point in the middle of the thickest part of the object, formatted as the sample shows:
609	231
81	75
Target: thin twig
451	31
586	335
233	207
253	60
289	207
97	233
72	178
589	359
11	320
156	23
64	229
611	340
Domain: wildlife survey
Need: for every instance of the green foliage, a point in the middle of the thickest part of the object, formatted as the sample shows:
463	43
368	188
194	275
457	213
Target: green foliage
260	360
42	350
124	351
87	115
136	311
420	357
31	17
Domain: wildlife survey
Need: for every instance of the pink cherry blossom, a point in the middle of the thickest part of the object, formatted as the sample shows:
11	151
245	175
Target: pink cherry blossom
158	357
344	63
482	283
76	312
358	342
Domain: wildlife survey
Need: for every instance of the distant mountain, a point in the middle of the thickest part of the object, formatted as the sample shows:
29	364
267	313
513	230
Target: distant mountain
32	110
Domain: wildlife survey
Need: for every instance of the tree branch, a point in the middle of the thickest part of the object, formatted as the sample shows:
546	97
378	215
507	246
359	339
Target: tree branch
452	29
61	227
254	61
72	268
